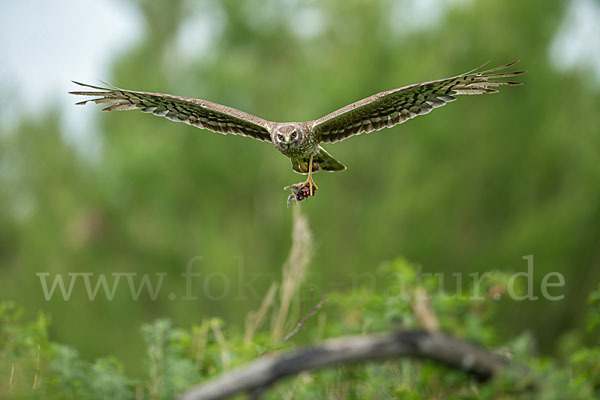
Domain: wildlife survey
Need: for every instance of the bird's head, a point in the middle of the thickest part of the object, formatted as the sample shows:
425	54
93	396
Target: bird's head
286	136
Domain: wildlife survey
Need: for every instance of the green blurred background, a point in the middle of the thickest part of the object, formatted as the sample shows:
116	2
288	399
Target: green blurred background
472	187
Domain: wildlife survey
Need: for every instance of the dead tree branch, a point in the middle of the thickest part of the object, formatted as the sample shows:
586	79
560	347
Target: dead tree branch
434	346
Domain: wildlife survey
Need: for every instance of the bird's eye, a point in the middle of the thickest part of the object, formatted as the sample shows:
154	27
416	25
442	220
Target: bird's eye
294	135
280	137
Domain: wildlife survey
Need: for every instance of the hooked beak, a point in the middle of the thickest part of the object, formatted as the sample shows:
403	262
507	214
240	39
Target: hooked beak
287	139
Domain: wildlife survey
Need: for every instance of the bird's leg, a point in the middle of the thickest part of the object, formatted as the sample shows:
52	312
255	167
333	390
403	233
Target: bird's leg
302	190
309	181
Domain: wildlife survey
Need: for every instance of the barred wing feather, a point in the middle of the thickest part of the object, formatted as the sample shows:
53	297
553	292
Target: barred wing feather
386	109
200	113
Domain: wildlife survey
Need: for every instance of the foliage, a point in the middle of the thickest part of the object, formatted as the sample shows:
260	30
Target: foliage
33	366
471	187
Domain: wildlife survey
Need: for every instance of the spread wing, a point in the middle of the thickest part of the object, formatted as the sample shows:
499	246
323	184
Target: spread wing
200	113
386	109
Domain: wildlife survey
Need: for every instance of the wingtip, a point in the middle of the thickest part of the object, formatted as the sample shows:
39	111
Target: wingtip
505	66
108	84
74	92
90	86
81	83
478	68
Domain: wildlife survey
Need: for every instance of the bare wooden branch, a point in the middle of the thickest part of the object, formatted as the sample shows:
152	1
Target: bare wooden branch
438	347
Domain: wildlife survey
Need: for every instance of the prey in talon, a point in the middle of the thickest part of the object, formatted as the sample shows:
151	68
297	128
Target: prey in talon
300	191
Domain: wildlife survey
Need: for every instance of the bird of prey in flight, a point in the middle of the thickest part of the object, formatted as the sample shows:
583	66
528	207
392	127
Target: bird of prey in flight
301	141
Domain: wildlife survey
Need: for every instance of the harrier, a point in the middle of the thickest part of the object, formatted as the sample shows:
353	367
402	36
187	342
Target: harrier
301	141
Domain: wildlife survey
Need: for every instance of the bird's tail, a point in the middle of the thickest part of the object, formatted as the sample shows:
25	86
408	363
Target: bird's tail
323	160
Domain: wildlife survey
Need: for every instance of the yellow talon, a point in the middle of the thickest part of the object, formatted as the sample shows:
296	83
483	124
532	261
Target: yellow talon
309	181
